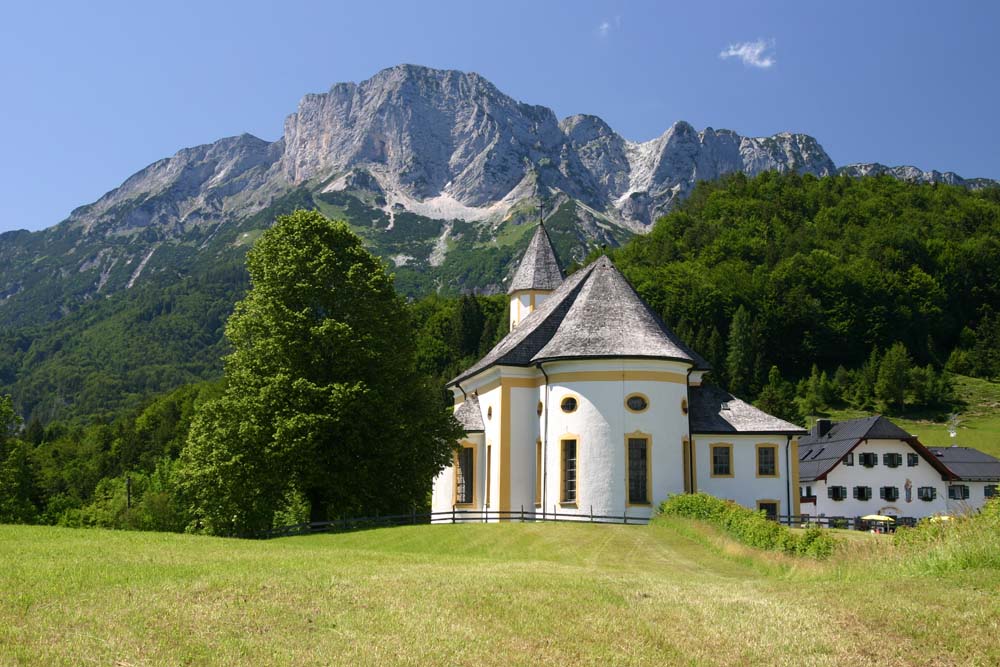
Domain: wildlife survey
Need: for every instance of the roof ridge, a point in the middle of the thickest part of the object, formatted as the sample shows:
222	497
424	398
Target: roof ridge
533	332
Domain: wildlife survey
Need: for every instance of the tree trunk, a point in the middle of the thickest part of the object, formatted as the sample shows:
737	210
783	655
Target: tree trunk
317	506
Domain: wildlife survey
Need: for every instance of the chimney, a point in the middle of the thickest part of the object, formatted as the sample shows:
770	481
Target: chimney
823	427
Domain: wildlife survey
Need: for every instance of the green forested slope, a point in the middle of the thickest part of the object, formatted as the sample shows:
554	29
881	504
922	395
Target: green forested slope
827	269
811	296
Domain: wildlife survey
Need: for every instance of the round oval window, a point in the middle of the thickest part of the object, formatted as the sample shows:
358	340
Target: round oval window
636	403
540	408
568	404
489	412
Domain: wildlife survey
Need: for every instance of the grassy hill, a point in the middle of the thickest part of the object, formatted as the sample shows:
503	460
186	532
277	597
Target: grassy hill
670	593
978	418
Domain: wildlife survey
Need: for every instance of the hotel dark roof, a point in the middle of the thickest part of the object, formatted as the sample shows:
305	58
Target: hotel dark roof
469	415
714	410
821	451
968	464
539	268
594	314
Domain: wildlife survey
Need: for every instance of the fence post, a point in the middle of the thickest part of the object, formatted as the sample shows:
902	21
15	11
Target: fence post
625	516
591	514
453	514
522	513
555	512
413	514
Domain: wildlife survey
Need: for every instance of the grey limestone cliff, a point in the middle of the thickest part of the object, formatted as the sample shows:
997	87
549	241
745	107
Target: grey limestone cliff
445	144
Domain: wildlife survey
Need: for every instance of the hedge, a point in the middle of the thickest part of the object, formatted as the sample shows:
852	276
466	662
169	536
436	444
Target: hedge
751	527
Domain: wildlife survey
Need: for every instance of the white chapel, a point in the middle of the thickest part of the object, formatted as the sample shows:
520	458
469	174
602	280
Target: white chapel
591	405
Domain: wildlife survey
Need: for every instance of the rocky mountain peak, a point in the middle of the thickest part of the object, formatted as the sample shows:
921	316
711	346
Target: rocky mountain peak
449	144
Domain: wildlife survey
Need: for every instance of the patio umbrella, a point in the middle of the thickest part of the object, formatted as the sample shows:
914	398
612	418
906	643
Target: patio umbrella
878	517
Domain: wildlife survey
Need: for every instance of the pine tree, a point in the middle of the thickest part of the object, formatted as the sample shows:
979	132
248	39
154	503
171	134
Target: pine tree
893	377
715	352
741	353
467	326
778	397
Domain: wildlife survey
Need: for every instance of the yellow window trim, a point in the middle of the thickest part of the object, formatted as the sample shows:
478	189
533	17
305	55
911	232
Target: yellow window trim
711	458
563	399
633	395
649	468
686	462
694	466
756	460
562	470
777	504
489	473
465	444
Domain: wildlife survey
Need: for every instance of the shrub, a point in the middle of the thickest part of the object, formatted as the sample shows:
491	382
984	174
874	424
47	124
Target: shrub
963	543
751	527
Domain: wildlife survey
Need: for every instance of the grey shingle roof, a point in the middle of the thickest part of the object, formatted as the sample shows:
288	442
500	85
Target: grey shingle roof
539	269
968	464
817	460
470	416
520	345
714	410
608	318
594	313
818	454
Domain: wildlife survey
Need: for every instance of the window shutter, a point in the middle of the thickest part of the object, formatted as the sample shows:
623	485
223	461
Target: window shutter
881	492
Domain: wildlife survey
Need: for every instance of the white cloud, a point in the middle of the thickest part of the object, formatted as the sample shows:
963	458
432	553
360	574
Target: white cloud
606	26
753	54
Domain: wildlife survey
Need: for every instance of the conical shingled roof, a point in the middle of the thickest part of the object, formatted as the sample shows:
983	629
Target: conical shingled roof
595	313
539	268
609	319
520	345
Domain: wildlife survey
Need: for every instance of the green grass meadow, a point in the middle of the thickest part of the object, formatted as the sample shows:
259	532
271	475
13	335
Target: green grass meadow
673	593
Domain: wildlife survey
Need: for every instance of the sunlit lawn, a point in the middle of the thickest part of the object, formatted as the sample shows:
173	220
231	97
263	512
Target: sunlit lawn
473	595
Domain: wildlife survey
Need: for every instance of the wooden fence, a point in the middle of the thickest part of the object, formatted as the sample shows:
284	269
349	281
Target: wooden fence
453	515
534	514
846	522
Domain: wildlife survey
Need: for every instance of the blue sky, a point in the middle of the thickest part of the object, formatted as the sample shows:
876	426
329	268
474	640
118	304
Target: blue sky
93	92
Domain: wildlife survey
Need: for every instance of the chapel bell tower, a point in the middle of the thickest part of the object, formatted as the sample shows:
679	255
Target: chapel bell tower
536	277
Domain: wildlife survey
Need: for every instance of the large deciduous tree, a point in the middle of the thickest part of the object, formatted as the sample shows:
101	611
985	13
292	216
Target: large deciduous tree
323	401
